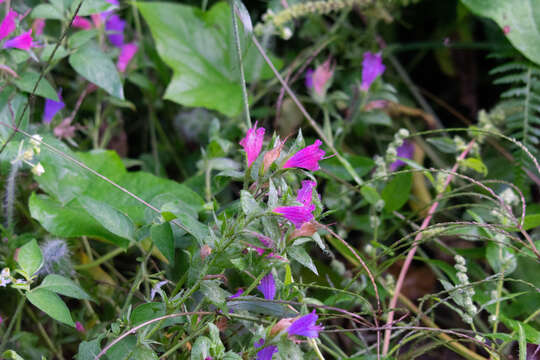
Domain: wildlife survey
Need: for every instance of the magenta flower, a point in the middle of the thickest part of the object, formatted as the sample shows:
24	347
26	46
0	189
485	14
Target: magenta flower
308	158
79	327
405	151
127	51
115	30
8	24
305	194
305	326
268	287
252	143
81	23
309	79
296	214
322	76
267	352
372	67
23	41
37	26
52	108
238	293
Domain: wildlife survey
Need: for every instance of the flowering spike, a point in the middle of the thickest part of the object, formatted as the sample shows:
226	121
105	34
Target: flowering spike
127	51
405	151
305	194
81	23
372	67
8	24
252	143
308	158
23	41
296	214
52	108
305	326
115	30
268	287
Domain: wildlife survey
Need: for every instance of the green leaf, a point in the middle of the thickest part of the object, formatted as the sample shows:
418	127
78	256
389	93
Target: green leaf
249	204
88	350
63	286
46	11
162	236
531	221
90	7
30	258
82	37
361	164
299	254
10	354
95	66
501	258
258	307
200	49
201	349
443	144
51	304
522	343
111	219
12	104
370	194
475	164
396	193
60	53
27	81
145	312
521	17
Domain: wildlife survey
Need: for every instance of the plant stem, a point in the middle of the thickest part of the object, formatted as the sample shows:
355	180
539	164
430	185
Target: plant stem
181	343
12	322
57	352
101	260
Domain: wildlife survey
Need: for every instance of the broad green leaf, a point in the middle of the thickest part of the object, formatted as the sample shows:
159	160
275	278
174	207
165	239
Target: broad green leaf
70	220
88	350
396	193
501	258
11	355
27	81
82	37
90	7
51	304
475	164
46	11
531	221
95	66
443	144
63	286
299	254
12	104
162	236
520	17
201	349
113	220
249	204
147	312
370	194
200	49
60	53
30	258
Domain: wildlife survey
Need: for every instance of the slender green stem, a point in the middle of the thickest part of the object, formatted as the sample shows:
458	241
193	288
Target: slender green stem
137	281
183	342
313	344
241	64
57	352
101	260
12	322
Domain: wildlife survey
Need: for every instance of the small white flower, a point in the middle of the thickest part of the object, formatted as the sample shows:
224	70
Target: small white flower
38	169
36	140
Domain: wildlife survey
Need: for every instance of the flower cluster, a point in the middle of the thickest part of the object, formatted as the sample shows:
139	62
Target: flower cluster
23	41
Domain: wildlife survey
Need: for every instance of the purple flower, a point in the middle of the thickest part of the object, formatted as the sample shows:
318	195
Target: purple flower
238	293
79	327
268	287
52	108
267	352
115	30
372	67
252	143
156	288
305	326
308	158
81	23
23	41
296	214
127	51
8	24
305	194
405	151
309	79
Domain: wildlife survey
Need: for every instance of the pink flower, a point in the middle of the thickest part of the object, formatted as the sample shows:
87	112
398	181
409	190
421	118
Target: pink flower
372	67
8	24
23	41
38	26
321	77
308	158
305	193
127	51
79	327
81	23
252	143
296	214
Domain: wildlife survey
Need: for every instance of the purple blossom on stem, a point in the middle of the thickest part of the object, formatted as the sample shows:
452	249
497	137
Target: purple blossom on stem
268	287
238	293
308	158
52	108
252	143
296	214
81	23
305	194
321	77
267	352
305	326
309	79
23	41
372	67
127	51
115	30
405	151
8	24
